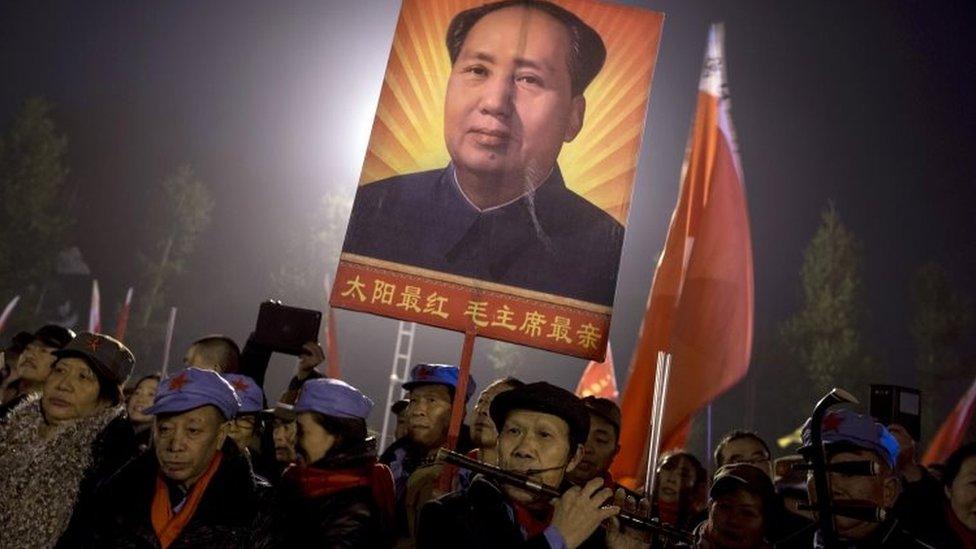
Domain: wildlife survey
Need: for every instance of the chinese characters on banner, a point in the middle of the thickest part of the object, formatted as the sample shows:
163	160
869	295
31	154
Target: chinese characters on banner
495	315
500	168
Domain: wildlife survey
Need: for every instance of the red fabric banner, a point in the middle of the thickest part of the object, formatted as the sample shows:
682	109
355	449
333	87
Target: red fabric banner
599	379
122	323
700	307
953	430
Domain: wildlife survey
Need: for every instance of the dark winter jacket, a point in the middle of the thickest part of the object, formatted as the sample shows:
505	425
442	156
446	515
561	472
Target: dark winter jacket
350	518
236	511
114	447
480	517
890	534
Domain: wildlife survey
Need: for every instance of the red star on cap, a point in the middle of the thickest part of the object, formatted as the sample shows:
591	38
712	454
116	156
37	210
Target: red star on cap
94	343
177	383
240	385
831	422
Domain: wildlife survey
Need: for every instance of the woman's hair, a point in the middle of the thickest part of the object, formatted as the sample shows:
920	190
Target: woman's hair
349	432
134	386
108	390
954	464
666	460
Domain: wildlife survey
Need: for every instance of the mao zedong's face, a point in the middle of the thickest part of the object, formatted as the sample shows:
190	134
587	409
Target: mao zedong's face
509	105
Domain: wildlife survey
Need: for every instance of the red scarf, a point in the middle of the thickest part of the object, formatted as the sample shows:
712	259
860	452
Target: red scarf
667	511
167	525
966	536
530	521
316	483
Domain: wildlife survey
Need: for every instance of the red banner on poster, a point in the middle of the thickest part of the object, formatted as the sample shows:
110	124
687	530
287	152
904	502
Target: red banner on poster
565	329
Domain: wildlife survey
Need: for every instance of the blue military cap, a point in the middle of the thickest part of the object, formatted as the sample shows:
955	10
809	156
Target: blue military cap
333	397
248	390
845	426
438	374
193	388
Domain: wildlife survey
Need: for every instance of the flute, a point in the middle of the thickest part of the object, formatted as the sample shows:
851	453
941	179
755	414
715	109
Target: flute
630	520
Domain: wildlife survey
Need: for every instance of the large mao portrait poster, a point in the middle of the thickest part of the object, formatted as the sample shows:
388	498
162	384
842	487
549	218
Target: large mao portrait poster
498	177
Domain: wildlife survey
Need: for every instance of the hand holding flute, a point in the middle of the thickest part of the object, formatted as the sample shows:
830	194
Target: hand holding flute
580	511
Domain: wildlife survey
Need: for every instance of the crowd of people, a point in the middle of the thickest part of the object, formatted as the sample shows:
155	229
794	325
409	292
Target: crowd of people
90	458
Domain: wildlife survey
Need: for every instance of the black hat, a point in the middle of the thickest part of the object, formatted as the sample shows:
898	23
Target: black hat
107	355
53	335
745	476
283	411
19	342
605	408
399	406
549	399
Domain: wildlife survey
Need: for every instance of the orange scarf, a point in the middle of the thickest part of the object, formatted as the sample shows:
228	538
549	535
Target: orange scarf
167	525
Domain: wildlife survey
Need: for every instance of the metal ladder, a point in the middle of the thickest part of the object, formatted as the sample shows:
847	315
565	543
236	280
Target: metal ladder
398	372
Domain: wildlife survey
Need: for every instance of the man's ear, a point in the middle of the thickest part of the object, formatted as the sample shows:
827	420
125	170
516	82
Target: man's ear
892	489
575	458
577	110
222	432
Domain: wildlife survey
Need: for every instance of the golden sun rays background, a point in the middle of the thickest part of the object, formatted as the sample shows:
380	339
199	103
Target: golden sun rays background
600	164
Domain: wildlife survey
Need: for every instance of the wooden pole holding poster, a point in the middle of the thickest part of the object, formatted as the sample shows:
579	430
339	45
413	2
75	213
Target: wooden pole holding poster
457	407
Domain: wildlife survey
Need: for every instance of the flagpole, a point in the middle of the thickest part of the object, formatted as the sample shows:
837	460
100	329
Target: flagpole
652	427
169	339
661	376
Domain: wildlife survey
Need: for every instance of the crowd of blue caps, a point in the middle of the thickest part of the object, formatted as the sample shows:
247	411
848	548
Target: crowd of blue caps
234	394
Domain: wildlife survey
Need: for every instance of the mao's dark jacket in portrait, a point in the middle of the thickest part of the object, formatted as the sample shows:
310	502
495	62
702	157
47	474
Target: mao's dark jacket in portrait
551	240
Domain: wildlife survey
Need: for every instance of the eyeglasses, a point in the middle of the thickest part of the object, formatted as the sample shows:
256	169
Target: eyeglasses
752	460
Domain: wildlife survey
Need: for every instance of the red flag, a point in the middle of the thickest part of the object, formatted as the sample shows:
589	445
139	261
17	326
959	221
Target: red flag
700	308
953	430
95	313
599	379
331	347
123	319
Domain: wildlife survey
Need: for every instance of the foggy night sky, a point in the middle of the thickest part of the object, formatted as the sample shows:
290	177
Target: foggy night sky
868	104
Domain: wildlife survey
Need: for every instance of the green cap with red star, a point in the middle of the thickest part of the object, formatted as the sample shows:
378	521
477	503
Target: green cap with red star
107	356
